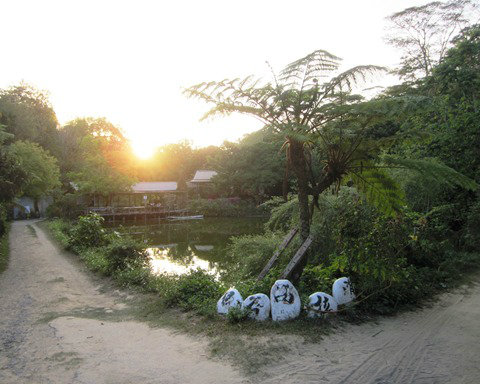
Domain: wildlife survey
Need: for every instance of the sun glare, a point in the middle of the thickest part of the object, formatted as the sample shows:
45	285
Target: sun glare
143	150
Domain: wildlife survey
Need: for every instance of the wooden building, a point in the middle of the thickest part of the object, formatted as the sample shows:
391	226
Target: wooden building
202	182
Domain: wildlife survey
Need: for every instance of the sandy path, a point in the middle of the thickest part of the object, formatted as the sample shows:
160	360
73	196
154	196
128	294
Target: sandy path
436	345
71	349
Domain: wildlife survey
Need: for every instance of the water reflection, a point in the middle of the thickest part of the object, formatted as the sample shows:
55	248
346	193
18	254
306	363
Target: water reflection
162	262
179	247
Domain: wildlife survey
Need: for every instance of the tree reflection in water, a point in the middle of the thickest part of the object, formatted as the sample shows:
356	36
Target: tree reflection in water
178	247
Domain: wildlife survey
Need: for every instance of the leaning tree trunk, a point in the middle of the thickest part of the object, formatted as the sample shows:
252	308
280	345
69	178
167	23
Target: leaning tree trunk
298	163
299	166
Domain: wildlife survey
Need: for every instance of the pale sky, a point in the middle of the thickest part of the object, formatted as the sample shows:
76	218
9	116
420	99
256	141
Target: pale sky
129	60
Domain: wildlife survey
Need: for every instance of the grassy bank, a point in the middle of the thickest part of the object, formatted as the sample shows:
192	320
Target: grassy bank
4	250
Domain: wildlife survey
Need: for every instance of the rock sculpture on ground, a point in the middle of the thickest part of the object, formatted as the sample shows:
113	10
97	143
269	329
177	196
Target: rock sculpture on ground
284	300
258	306
231	298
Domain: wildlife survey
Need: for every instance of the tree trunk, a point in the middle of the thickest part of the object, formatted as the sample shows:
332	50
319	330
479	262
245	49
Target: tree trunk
285	184
299	167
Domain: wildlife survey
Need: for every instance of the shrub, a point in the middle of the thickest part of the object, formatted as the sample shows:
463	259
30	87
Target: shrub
88	232
196	290
124	253
250	253
95	260
4	250
237	315
133	276
60	230
3	219
65	206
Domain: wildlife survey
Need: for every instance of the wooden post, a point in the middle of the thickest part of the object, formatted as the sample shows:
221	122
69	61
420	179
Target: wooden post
297	258
277	253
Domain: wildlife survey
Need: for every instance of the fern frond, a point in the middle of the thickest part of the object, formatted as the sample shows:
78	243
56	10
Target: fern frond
352	77
380	190
311	67
434	170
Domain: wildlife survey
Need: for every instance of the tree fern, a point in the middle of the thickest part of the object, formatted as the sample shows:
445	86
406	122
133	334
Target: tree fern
432	169
380	189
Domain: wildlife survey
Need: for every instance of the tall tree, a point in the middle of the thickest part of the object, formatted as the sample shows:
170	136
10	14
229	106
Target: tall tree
27	113
254	167
94	175
309	112
12	175
43	174
424	33
111	142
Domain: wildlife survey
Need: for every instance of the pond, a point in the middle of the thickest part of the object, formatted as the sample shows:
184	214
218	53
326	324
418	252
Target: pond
180	246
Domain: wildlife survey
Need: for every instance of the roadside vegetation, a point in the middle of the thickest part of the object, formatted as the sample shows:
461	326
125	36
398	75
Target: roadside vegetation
4	250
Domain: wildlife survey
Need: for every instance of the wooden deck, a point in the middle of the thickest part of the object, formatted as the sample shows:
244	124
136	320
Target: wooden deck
135	213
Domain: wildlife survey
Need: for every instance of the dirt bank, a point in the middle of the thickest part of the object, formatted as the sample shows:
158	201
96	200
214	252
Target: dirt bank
50	332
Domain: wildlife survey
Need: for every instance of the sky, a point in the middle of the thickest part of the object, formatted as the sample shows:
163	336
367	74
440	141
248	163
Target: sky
128	61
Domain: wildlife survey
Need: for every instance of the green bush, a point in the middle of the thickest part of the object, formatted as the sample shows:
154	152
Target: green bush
224	207
237	315
88	232
65	206
472	232
196	290
124	253
135	275
60	230
250	253
95	260
283	217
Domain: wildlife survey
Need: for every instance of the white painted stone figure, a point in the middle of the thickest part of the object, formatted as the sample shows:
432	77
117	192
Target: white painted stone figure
284	301
258	306
231	298
321	303
343	291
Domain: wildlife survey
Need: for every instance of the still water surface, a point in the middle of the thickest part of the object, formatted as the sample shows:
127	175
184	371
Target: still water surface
180	246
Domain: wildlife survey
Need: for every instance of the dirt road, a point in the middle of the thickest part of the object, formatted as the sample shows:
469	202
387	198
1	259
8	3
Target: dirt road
436	345
41	282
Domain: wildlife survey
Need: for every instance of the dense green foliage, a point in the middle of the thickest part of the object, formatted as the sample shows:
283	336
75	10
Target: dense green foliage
28	115
41	168
4	249
225	207
393	262
328	133
88	232
253	168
